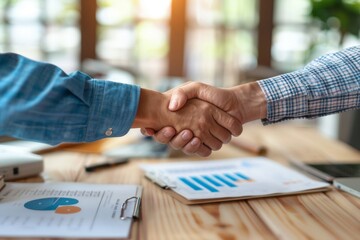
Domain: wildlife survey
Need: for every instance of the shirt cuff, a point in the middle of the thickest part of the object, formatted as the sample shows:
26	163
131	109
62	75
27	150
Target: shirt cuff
113	109
286	97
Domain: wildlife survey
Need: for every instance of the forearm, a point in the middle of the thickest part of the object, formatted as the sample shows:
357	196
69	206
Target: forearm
327	85
251	101
152	109
38	101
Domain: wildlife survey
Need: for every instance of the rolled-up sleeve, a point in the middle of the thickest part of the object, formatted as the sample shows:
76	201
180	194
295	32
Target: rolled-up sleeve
38	101
327	85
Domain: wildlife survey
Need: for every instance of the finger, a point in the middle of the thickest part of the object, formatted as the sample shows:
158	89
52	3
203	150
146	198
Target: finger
177	100
205	92
192	147
181	94
221	133
228	122
204	151
181	139
165	135
204	128
212	142
147	131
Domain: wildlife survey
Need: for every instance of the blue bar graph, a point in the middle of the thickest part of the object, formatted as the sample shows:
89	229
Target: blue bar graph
223	180
190	184
212	181
232	178
215	182
242	176
204	184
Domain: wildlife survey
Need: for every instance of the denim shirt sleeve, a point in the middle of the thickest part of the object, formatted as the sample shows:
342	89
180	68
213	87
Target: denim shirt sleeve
329	84
40	102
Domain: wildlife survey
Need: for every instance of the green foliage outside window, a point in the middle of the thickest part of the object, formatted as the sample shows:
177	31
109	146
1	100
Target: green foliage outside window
342	15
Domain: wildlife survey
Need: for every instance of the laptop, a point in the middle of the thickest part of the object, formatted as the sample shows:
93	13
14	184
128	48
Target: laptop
18	158
350	185
344	176
29	146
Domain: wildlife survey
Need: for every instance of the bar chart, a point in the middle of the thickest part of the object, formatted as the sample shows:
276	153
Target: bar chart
215	182
228	178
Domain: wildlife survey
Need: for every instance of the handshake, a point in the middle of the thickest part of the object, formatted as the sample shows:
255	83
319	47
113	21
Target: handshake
199	118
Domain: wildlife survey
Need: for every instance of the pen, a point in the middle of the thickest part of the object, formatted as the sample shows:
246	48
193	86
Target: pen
2	182
107	164
248	146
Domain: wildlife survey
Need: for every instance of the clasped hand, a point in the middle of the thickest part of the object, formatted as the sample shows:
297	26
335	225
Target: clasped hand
201	126
210	125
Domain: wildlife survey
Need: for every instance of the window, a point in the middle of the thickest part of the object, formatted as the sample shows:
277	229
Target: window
41	29
134	34
220	39
297	38
213	41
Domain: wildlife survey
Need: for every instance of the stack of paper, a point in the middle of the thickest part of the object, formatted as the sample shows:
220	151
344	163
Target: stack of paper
222	180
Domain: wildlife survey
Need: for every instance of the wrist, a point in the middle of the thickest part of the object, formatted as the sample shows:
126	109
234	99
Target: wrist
150	109
251	100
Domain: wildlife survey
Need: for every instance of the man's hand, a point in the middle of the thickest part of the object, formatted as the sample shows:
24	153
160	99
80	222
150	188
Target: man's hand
206	121
245	102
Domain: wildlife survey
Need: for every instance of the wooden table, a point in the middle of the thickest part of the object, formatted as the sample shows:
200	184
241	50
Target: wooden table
326	215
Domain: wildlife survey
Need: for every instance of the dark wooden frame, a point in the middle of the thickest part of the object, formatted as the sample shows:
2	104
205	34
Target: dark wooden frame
177	34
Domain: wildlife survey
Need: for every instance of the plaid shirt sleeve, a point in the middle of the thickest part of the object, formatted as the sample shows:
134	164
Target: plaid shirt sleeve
328	84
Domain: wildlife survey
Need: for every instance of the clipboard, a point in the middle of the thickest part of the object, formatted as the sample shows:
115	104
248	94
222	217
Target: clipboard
169	190
136	208
203	175
76	210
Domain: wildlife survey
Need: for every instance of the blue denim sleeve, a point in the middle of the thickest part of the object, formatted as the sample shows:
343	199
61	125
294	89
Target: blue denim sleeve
40	102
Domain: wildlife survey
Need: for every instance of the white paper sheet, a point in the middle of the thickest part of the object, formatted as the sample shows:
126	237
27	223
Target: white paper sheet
65	210
230	178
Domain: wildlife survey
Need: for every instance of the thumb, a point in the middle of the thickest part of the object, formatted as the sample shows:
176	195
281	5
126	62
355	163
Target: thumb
178	99
180	95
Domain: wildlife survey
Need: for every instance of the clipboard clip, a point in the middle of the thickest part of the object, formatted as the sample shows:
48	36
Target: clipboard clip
135	213
160	180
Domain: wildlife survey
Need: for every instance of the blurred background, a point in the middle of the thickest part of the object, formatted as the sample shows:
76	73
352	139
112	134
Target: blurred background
159	43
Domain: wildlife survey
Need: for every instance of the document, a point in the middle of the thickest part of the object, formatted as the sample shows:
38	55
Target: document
229	179
73	210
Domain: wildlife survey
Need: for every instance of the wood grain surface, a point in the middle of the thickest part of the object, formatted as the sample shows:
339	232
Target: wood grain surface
326	215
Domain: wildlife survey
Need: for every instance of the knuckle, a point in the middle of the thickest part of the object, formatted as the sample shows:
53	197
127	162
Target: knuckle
197	84
204	121
232	122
